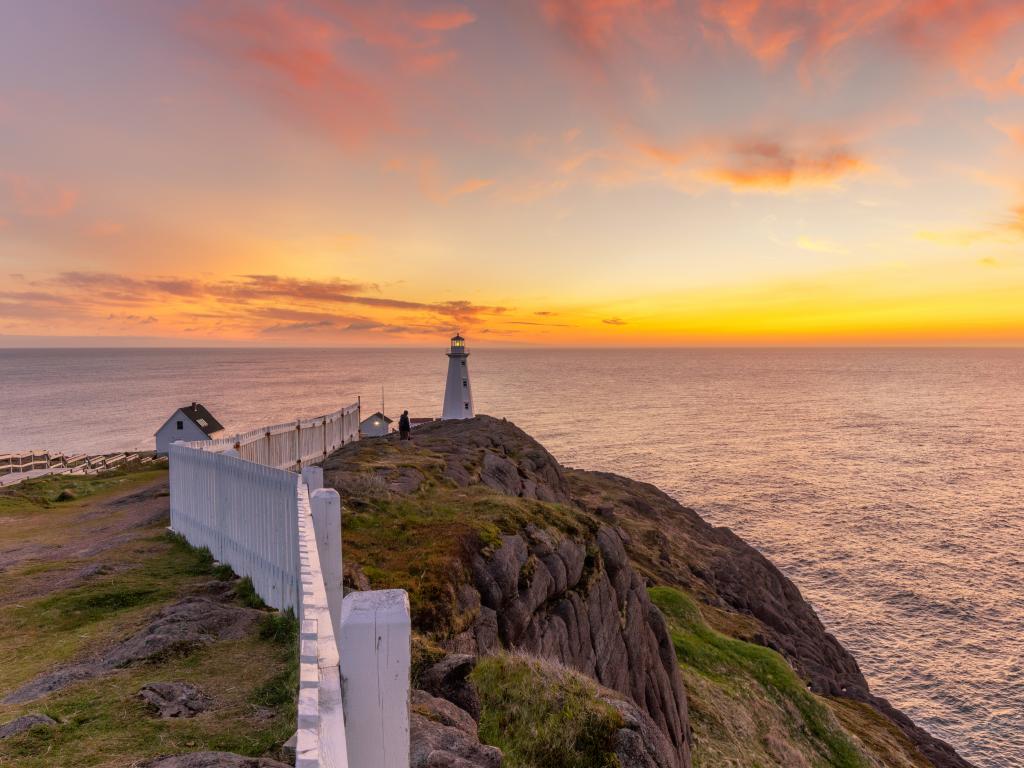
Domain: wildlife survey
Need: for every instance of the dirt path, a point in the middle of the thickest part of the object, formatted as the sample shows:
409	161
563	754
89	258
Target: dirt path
48	549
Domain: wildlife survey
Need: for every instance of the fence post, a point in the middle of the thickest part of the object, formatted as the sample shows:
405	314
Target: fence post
313	477
325	507
375	636
298	443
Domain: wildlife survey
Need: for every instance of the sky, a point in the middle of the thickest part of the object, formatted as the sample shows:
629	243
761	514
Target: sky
560	172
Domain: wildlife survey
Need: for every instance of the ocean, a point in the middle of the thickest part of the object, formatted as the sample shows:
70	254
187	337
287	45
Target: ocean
887	483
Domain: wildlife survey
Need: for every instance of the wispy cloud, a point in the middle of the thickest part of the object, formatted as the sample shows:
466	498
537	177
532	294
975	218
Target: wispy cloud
243	304
771	165
1008	229
339	66
819	245
35	197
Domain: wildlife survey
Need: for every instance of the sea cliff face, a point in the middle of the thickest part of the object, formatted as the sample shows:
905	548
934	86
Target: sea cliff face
504	550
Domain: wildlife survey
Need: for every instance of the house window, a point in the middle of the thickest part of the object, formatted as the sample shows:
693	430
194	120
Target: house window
181	425
465	383
463	363
467	406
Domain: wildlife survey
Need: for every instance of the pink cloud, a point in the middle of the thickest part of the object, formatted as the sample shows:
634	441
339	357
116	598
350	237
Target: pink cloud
38	198
592	26
444	20
341	67
1009	84
957	32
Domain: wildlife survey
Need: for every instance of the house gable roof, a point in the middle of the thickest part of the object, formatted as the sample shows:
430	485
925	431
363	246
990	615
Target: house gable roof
377	415
202	418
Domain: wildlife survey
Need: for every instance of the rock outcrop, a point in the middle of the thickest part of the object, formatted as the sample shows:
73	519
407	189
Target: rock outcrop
24	723
444	736
176	629
588	610
174	699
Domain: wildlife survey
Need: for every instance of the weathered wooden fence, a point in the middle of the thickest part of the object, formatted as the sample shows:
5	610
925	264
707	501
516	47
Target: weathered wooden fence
16	467
283	531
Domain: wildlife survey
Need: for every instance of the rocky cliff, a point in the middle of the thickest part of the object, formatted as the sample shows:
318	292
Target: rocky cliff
503	549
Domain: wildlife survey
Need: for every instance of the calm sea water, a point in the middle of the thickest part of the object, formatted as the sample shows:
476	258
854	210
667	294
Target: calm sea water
889	484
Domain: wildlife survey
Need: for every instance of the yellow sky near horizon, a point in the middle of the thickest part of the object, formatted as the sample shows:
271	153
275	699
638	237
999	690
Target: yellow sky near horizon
564	172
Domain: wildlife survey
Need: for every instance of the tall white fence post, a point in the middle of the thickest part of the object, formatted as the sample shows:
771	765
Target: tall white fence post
375	638
325	508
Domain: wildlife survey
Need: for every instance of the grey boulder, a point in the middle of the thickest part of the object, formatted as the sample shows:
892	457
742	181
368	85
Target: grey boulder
175	699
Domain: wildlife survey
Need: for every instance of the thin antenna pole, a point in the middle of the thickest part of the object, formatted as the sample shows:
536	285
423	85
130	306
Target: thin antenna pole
381	399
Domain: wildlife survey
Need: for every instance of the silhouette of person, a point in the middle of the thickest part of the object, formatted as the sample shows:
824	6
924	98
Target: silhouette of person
403	426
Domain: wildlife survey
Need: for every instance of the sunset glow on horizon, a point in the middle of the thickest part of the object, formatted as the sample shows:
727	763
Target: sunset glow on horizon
560	172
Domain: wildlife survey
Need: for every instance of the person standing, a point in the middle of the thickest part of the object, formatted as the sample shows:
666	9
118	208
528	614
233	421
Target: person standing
403	426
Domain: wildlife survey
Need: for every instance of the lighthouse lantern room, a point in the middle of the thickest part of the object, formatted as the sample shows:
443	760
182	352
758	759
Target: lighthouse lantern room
458	394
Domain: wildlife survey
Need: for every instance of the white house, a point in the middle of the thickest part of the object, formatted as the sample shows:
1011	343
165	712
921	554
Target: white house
375	425
190	422
458	394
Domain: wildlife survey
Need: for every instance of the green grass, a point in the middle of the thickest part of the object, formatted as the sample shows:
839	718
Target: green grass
280	690
101	722
245	593
725	675
43	492
544	716
75	608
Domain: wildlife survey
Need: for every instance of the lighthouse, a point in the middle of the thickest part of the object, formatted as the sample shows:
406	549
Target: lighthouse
458	394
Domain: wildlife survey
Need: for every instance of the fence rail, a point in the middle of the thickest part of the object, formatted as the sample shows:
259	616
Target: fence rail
292	444
15	467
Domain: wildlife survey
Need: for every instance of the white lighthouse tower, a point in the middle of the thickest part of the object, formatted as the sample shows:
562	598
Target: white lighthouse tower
458	394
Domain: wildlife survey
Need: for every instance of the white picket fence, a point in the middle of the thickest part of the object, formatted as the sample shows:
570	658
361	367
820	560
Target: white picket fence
244	513
292	444
283	531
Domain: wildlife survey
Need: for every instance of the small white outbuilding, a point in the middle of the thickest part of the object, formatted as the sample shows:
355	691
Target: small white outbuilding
190	422
375	425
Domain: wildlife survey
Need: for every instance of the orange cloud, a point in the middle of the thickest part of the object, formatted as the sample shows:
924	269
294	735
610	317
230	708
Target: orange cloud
756	27
770	165
958	30
1014	132
1010	84
240	306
